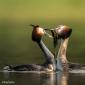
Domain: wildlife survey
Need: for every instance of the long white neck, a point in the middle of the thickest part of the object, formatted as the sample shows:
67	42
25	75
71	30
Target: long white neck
62	62
48	55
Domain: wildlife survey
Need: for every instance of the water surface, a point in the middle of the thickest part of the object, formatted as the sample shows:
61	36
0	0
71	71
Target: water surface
36	78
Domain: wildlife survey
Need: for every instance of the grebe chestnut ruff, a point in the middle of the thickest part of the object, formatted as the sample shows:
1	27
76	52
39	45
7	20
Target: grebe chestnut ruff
49	65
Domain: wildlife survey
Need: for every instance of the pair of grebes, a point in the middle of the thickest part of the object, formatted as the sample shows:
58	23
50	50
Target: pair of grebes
52	64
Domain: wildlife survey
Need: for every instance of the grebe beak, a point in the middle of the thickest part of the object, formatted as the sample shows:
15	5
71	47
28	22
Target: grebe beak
53	35
47	33
38	32
44	30
61	32
32	25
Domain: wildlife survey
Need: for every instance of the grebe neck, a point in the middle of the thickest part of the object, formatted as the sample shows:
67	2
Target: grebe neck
62	62
48	55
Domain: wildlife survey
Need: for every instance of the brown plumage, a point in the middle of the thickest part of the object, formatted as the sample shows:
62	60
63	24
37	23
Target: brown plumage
37	33
63	31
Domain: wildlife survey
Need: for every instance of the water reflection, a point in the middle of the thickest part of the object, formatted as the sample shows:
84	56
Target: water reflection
26	78
48	79
59	78
62	78
31	78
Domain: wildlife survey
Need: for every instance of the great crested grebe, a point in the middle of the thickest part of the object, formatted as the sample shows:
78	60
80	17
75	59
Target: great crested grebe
49	65
63	33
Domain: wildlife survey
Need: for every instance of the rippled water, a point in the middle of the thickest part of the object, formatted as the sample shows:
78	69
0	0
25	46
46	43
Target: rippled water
37	78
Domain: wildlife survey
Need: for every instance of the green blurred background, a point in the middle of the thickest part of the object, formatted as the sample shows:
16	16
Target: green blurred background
16	46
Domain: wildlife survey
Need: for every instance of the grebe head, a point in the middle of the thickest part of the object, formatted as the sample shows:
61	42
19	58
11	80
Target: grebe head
63	31
37	33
